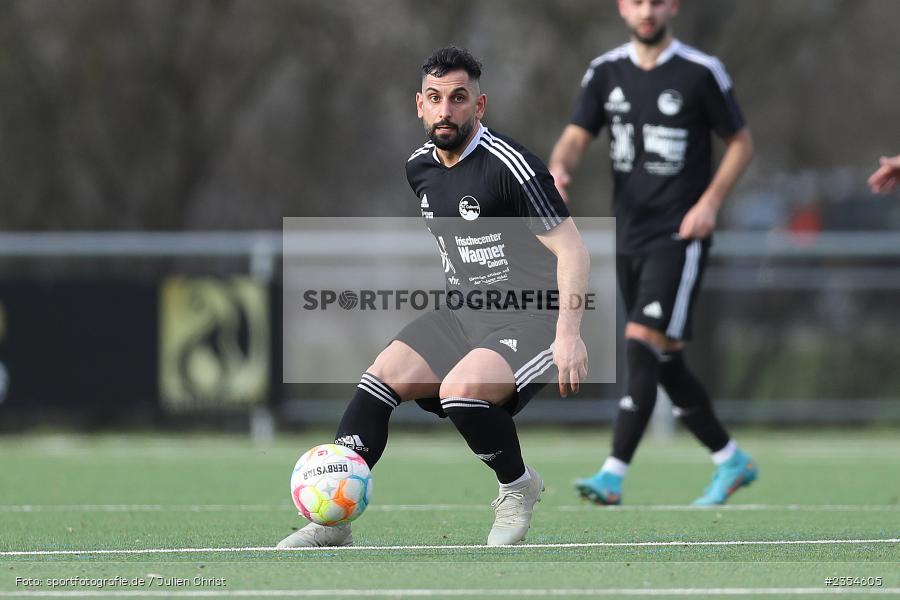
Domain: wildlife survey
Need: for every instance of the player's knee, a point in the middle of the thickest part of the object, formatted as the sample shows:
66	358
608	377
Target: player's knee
643	334
652	337
409	376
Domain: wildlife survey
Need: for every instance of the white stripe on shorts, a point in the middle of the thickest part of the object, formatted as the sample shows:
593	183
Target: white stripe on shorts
685	287
530	363
539	369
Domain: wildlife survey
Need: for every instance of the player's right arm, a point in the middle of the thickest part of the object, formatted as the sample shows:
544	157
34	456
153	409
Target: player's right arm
587	121
887	176
566	155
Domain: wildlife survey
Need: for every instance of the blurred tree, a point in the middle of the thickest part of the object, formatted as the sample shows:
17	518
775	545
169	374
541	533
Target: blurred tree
168	114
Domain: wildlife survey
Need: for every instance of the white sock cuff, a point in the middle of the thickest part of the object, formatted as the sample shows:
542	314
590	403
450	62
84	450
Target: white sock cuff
526	476
615	466
460	402
721	456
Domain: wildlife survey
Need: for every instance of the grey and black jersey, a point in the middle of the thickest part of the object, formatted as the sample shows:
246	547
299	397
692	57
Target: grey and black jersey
659	124
486	211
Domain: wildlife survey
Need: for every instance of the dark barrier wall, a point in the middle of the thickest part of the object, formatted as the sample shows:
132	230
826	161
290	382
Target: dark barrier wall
95	354
80	353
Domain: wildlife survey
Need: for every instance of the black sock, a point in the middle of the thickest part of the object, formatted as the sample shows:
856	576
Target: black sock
634	414
692	403
491	434
364	426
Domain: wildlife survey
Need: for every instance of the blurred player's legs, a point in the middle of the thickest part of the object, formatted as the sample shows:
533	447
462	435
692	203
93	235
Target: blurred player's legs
660	290
635	410
693	407
732	473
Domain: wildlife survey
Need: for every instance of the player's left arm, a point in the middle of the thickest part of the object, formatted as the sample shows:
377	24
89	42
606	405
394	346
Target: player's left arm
700	221
572	267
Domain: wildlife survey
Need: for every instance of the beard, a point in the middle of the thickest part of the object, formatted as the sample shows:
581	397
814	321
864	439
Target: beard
653	39
449	141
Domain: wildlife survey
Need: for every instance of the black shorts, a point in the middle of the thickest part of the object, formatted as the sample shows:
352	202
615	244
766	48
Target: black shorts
443	337
659	289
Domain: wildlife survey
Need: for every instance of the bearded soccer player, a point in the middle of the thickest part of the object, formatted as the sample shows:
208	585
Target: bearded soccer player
501	228
660	100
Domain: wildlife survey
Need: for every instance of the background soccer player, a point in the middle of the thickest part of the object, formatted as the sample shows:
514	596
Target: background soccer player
660	99
482	195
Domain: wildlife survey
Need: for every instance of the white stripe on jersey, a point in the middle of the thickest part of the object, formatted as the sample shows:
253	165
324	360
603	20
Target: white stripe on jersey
520	161
526	176
710	62
427	147
493	150
614	54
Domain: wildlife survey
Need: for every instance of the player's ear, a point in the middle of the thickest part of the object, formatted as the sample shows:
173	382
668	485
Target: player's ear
419	110
480	106
676	4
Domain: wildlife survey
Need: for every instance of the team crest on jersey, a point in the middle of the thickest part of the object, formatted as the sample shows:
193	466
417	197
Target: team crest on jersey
469	209
617	102
669	102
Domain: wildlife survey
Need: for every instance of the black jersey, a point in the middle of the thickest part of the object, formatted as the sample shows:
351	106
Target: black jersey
485	212
659	128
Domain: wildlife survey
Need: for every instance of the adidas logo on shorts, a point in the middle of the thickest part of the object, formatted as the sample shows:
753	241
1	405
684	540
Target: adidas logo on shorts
511	343
653	310
627	403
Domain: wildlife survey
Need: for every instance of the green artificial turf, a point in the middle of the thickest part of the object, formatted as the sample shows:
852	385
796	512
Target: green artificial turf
170	493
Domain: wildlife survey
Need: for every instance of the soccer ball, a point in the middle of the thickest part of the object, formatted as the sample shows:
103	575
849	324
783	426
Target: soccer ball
331	484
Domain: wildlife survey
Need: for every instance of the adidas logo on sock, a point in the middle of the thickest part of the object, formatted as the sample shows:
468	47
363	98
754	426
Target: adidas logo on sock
489	457
354	442
511	343
627	403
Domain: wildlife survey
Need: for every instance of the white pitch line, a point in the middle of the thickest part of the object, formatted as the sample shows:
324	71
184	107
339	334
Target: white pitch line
54	508
62	508
465	593
674	543
739	507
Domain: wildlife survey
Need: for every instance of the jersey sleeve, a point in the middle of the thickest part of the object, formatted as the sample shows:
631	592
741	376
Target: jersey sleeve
532	192
589	112
722	110
412	176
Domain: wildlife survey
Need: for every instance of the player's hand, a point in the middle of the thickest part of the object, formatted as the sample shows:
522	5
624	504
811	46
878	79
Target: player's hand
699	222
571	360
886	178
562	180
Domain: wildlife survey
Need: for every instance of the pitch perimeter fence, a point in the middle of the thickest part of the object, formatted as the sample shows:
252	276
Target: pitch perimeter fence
150	328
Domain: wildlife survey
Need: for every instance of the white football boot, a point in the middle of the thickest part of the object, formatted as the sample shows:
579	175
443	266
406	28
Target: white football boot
513	508
314	536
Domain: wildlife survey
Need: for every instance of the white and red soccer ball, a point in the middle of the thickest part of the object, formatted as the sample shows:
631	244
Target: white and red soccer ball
331	484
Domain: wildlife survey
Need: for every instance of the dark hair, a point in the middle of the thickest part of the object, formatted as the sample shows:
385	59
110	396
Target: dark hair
450	58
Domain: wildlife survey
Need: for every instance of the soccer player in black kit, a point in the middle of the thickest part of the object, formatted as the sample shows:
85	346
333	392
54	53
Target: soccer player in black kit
660	100
502	231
